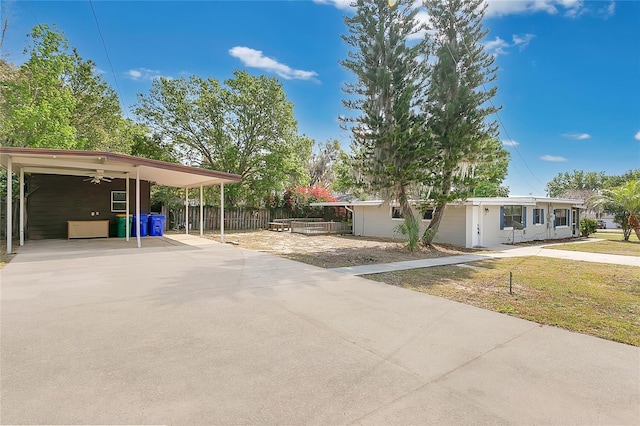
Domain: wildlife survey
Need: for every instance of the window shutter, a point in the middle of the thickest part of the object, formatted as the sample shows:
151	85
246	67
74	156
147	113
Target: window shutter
524	217
554	219
542	216
568	217
501	217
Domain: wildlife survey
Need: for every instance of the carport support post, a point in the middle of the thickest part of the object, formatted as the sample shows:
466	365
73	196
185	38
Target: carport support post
138	207
186	210
9	204
222	212
21	206
127	231
201	214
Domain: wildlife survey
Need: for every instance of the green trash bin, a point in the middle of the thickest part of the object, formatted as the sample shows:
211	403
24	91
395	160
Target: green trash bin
121	221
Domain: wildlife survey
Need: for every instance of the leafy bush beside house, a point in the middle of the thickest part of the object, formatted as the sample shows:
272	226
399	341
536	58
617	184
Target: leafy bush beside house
588	226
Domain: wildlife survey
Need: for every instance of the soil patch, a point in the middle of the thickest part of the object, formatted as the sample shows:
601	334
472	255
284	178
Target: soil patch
335	251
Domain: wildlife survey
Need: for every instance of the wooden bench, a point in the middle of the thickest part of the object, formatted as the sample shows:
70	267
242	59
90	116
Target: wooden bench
87	229
278	226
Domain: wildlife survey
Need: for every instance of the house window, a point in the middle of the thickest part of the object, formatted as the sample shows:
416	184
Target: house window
561	217
427	215
118	201
538	216
396	213
512	214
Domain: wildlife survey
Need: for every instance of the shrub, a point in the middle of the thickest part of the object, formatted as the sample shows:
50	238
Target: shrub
299	200
411	229
588	226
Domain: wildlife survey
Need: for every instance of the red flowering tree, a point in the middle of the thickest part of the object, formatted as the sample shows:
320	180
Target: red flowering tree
299	200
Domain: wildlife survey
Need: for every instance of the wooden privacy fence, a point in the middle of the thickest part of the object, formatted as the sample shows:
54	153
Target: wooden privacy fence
234	218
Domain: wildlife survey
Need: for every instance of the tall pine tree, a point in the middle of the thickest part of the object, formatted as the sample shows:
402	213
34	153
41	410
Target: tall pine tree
458	101
385	127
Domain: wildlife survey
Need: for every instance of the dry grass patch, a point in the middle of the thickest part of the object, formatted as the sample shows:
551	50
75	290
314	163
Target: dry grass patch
613	244
334	251
4	257
592	298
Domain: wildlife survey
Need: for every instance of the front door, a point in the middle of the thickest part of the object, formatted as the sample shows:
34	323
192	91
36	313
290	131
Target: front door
575	228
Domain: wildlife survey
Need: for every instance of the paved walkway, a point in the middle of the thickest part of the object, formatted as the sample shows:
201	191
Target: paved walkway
194	332
496	253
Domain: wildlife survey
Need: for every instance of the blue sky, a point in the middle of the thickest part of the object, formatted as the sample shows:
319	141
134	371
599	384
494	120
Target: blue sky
568	79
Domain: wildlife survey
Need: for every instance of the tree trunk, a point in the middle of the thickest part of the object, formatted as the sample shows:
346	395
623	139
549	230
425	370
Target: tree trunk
635	224
438	212
432	229
410	227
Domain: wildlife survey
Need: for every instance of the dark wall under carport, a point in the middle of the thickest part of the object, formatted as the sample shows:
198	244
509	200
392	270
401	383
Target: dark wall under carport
53	200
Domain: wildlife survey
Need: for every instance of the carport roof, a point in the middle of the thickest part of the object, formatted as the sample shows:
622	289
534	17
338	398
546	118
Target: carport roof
88	163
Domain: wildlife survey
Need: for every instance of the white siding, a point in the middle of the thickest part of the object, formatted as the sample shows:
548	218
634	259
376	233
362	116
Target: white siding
493	235
453	227
459	225
376	221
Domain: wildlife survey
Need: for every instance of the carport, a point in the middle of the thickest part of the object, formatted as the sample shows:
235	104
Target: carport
95	165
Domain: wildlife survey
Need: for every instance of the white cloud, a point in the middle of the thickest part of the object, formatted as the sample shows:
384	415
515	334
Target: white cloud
553	158
340	4
577	136
255	59
637	136
143	74
522	41
499	46
569	8
510	142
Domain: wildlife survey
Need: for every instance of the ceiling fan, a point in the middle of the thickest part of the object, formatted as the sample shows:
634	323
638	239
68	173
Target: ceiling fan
98	177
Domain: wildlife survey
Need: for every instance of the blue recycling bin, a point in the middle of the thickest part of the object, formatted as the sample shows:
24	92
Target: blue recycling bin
144	225
156	225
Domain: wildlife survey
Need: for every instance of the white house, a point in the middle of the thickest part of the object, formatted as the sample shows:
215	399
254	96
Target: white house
475	222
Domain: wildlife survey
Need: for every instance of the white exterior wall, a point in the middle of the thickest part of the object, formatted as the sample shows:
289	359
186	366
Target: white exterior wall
453	226
376	221
493	235
466	225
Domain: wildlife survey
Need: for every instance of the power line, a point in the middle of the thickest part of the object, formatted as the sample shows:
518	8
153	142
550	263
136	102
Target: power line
104	45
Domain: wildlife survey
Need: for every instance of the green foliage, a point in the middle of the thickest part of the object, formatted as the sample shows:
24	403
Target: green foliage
386	130
575	184
298	200
37	105
458	105
245	127
56	100
489	189
588	226
621	201
321	164
410	228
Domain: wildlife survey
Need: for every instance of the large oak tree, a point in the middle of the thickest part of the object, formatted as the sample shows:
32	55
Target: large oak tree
245	126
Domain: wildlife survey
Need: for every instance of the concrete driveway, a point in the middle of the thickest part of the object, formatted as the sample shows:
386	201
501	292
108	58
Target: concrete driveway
196	332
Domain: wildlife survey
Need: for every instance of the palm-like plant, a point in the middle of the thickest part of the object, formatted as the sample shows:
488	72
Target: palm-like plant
623	198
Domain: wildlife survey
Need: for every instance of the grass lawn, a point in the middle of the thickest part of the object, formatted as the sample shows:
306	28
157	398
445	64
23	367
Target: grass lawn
592	298
612	244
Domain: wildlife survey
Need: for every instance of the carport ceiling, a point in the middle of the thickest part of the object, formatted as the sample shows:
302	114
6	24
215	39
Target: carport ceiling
89	163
